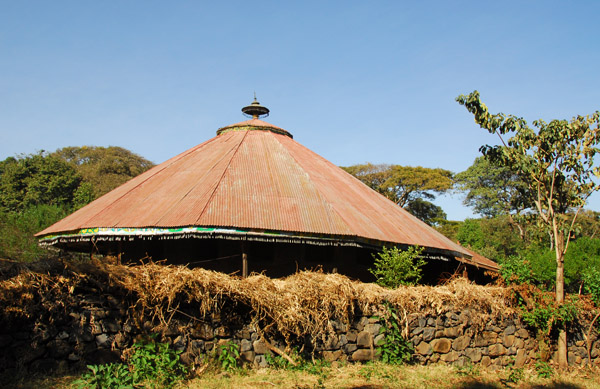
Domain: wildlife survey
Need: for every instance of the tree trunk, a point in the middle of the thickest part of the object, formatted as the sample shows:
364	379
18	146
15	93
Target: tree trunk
559	246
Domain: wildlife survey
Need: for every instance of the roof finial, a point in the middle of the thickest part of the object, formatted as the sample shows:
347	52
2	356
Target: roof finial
255	110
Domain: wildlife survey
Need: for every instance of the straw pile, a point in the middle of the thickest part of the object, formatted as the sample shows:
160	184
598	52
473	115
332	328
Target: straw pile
303	305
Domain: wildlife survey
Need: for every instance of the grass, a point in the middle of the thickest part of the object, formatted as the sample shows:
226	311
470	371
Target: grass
370	375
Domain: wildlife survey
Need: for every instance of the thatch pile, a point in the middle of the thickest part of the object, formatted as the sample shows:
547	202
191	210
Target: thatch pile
301	305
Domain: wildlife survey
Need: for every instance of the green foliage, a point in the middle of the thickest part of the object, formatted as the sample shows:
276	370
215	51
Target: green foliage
104	168
394	348
470	234
151	364
394	267
591	284
17	229
36	179
155	363
544	314
38	190
556	163
536	265
114	375
229	356
407	186
543	369
515	374
492	189
426	211
515	270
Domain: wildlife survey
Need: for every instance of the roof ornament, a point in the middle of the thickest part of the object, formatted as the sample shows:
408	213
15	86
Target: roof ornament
255	110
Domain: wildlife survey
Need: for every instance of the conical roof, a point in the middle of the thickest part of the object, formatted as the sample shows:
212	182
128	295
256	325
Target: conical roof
251	181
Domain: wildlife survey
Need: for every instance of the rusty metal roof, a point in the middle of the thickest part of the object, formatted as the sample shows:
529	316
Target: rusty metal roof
253	176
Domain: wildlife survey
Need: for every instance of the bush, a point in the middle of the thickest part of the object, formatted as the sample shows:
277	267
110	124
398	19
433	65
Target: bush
591	284
394	348
394	267
17	229
151	364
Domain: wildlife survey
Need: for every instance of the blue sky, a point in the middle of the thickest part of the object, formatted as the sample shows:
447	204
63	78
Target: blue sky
355	81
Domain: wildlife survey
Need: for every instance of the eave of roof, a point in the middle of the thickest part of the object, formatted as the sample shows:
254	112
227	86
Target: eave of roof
257	181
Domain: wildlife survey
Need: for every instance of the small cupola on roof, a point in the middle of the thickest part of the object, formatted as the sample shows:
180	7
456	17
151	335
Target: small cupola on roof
256	112
255	191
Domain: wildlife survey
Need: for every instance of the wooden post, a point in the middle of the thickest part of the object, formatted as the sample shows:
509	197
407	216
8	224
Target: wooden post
244	261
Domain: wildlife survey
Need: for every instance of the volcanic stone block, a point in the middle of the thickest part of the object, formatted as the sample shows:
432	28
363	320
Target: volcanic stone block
179	344
451	332
441	345
449	357
522	333
331	356
496	350
473	354
350	348
223	332
248	356
428	334
508	340
486	361
424	348
362	355
461	343
260	347
364	339
103	341
260	361
351	336
521	358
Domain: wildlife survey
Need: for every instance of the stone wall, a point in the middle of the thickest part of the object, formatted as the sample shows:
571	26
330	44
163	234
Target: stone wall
96	328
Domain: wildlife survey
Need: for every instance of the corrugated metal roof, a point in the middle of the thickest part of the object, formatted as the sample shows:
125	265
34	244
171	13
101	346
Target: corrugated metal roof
255	177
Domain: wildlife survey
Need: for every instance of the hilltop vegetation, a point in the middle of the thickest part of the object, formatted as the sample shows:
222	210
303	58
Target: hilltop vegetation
39	189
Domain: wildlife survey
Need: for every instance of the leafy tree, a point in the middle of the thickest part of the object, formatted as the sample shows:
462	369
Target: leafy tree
409	187
36	179
403	184
556	163
426	211
493	190
104	168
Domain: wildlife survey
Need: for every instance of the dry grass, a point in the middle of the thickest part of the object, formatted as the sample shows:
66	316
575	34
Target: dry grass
379	375
368	376
301	305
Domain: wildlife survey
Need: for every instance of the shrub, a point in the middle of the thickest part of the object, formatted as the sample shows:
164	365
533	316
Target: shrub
151	364
394	267
394	348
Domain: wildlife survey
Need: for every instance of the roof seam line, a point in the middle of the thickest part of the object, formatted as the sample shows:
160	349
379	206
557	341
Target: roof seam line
221	179
182	155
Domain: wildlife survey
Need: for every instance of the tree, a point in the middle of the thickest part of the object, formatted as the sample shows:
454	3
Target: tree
426	211
30	180
405	184
104	168
493	190
556	163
